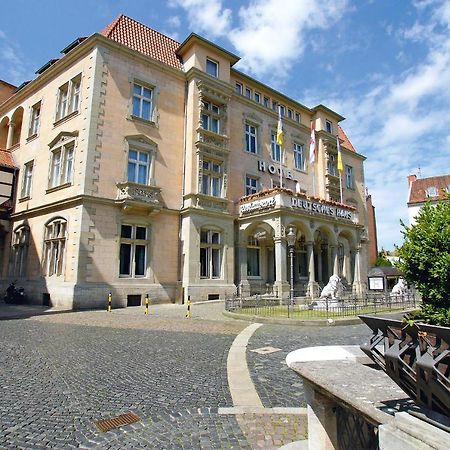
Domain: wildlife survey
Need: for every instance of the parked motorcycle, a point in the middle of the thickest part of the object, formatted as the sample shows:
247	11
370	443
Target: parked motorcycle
14	294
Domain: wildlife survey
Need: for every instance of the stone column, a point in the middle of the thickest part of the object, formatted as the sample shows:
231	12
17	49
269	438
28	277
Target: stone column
9	139
322	425
244	285
334	259
281	282
357	285
312	285
319	264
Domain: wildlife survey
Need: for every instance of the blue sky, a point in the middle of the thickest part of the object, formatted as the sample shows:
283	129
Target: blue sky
382	64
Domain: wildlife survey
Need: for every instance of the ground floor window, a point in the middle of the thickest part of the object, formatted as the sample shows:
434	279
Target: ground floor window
20	251
253	257
54	247
210	254
133	251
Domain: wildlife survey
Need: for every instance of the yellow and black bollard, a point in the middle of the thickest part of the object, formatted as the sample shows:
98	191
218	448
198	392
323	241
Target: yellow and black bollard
188	312
109	302
146	305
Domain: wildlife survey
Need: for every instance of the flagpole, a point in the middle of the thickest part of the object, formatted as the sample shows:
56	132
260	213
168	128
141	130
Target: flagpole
281	167
280	142
340	185
340	166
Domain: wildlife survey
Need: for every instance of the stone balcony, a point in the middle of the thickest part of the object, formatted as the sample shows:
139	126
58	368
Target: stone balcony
135	197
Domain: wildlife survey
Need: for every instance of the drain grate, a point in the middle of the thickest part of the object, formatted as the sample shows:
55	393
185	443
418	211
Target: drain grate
116	422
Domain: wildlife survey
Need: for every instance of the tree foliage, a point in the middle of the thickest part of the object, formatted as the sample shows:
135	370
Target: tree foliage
425	260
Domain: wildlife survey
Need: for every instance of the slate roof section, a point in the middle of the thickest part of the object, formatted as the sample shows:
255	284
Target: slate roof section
6	159
417	193
145	40
345	140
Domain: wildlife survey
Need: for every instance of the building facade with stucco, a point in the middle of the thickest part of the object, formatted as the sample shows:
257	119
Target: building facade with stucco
152	167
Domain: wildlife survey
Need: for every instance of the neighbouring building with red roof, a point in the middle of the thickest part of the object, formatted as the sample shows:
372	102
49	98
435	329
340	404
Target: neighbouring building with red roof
147	166
423	190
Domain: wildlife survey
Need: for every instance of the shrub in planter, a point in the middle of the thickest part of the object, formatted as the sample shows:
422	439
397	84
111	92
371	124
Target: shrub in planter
425	261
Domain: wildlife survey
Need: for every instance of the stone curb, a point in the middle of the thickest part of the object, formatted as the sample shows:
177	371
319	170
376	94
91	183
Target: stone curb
306	323
239	410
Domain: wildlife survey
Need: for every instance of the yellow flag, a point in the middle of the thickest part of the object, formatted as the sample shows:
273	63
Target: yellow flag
280	129
340	166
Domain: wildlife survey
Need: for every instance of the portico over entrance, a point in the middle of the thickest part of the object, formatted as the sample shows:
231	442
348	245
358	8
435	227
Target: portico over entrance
329	239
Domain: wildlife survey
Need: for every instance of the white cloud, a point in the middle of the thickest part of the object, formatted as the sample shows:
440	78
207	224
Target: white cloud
209	17
269	36
14	68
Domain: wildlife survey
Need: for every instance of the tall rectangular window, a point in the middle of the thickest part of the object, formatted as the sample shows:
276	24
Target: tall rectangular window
332	165
35	119
212	67
20	251
253	257
212	178
328	126
275	148
61	169
27	178
211	117
238	88
299	157
54	247
267	102
257	97
142	101
251	185
133	251
68	98
210	254
349	179
248	92
251	138
139	166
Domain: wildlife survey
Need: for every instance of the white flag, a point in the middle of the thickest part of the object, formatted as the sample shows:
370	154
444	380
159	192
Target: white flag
312	145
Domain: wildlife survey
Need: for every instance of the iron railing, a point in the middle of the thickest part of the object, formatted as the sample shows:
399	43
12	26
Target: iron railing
349	305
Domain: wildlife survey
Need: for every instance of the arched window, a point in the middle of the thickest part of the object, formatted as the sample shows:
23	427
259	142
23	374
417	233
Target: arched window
20	244
55	246
210	253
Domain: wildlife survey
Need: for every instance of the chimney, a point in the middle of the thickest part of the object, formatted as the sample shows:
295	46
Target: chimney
411	179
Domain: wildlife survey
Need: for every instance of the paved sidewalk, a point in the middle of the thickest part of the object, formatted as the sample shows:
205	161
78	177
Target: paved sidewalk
63	370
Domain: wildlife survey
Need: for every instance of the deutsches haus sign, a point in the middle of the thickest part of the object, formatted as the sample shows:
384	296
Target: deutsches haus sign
322	209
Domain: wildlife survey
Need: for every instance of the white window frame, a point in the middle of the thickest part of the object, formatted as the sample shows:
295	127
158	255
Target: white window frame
248	92
69	96
266	102
138	163
211	63
62	168
55	247
251	137
275	148
257	97
251	184
35	119
210	117
212	178
238	88
332	165
299	156
328	126
297	117
210	249
140	99
27	179
349	177
133	242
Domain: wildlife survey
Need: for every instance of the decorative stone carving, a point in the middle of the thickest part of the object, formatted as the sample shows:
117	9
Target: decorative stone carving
150	195
332	288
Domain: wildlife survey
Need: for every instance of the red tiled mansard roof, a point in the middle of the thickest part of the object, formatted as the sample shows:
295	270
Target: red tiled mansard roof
135	35
6	159
418	188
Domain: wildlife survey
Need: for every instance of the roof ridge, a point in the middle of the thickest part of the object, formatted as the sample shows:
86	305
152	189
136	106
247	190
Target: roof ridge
110	27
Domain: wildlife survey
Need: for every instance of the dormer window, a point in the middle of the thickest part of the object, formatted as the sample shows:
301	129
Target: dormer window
431	191
212	68
328	126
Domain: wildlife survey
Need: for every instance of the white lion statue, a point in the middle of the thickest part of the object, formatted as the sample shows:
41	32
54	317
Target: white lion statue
332	288
400	288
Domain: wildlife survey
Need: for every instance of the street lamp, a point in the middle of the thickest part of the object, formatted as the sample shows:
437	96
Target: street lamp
291	237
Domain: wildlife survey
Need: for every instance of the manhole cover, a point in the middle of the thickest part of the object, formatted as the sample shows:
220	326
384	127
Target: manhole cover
116	422
266	350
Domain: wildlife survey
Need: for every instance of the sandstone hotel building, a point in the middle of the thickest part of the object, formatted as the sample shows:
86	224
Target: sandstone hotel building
146	166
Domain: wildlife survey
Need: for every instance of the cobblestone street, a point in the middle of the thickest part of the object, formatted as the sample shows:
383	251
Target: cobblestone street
61	372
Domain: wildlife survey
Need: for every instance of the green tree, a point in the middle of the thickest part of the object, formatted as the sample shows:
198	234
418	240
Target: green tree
425	261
